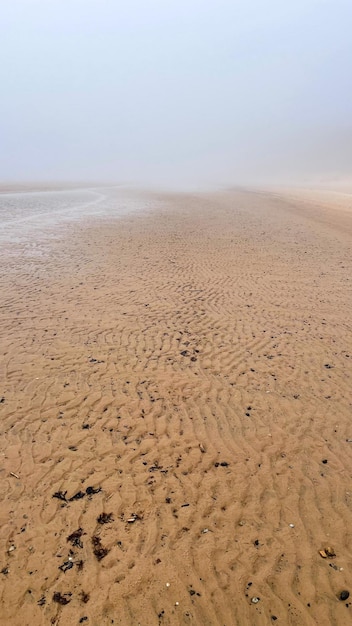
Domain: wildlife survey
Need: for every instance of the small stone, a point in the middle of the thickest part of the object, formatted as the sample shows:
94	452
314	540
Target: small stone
168	584
255	600
291	525
344	595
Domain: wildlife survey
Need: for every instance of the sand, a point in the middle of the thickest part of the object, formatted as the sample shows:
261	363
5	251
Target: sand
193	361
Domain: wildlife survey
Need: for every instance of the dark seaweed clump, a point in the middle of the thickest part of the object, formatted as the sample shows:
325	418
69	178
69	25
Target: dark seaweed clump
62	598
99	551
105	518
75	537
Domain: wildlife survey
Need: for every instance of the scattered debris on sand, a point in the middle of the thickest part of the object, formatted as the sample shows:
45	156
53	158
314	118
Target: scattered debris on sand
105	518
99	551
75	538
62	598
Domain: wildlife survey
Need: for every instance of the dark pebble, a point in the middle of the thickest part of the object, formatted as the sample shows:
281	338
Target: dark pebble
324	461
344	595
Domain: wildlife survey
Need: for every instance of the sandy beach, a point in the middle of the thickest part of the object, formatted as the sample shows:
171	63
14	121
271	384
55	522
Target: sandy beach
175	412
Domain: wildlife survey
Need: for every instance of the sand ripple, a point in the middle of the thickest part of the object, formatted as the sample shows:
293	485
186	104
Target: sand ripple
195	363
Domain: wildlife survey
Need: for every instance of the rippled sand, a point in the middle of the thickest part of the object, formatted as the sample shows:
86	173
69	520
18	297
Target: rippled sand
185	368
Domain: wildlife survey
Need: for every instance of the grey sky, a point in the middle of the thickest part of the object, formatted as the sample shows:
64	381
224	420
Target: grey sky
175	91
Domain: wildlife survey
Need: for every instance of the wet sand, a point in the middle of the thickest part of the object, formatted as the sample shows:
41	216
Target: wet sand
186	369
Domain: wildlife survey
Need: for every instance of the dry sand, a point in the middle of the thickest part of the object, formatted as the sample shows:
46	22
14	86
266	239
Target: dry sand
194	362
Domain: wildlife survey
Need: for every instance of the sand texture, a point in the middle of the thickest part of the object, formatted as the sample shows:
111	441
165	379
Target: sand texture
187	370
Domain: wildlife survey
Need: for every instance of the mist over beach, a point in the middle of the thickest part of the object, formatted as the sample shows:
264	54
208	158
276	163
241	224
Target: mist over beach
176	93
175	313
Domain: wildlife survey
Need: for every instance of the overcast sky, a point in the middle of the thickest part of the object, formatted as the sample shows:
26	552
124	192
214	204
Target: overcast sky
175	92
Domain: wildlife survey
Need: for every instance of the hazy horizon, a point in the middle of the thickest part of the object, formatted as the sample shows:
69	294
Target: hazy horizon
178	93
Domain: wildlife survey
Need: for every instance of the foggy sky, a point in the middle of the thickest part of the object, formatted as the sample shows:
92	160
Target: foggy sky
175	92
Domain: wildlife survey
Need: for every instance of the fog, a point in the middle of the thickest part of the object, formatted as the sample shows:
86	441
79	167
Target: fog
175	92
